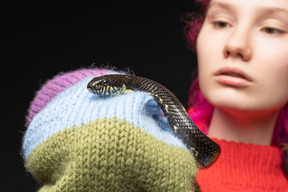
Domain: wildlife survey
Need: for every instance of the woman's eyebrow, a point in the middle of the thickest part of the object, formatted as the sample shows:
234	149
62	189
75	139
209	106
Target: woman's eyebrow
263	9
272	10
227	6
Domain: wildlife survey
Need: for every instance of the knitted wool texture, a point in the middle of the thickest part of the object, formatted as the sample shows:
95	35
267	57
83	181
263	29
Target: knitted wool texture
77	141
58	84
244	167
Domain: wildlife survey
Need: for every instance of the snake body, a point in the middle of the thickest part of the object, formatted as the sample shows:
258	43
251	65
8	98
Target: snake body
205	150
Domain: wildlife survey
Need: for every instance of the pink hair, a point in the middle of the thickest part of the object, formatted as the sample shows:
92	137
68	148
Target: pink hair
200	110
194	22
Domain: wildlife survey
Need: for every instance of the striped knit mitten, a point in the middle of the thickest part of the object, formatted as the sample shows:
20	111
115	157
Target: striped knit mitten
76	141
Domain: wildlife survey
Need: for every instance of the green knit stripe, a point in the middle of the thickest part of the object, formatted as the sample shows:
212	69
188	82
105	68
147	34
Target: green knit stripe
110	155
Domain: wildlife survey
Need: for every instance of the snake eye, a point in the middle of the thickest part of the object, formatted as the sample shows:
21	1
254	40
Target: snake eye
97	84
104	82
100	83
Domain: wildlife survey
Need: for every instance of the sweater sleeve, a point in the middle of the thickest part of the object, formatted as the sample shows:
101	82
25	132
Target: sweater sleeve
78	141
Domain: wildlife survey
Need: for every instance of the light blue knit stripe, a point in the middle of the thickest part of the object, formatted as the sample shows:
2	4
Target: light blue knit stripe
76	106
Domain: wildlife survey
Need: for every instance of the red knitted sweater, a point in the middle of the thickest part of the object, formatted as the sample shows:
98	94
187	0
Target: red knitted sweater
244	167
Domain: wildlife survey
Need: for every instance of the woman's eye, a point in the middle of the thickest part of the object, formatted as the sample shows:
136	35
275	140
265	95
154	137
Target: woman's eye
272	31
220	24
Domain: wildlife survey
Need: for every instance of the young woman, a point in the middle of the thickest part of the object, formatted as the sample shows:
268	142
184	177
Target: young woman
240	95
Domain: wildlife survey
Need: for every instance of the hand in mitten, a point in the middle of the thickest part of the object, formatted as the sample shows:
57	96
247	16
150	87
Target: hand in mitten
78	141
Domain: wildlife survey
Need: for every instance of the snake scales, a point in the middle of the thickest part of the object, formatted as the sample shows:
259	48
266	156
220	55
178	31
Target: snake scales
205	150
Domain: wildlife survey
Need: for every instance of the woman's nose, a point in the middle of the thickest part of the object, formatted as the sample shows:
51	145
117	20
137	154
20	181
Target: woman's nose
238	45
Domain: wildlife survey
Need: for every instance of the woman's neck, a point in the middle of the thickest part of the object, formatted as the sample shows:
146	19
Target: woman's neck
246	127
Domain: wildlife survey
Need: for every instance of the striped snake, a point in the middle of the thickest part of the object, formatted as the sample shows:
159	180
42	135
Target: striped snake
205	150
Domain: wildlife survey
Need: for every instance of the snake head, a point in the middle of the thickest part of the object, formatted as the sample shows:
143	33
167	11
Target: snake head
97	85
108	85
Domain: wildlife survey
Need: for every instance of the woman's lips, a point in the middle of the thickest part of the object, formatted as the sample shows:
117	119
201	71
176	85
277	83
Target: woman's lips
232	76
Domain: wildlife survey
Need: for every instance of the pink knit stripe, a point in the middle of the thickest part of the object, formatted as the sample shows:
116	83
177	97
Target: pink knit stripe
60	82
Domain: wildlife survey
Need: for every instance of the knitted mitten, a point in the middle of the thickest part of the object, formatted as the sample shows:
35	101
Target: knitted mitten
77	141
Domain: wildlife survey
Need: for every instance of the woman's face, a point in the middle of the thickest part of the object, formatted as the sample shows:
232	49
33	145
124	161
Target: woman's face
242	53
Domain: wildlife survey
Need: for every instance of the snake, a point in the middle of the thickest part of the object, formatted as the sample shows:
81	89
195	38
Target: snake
204	149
